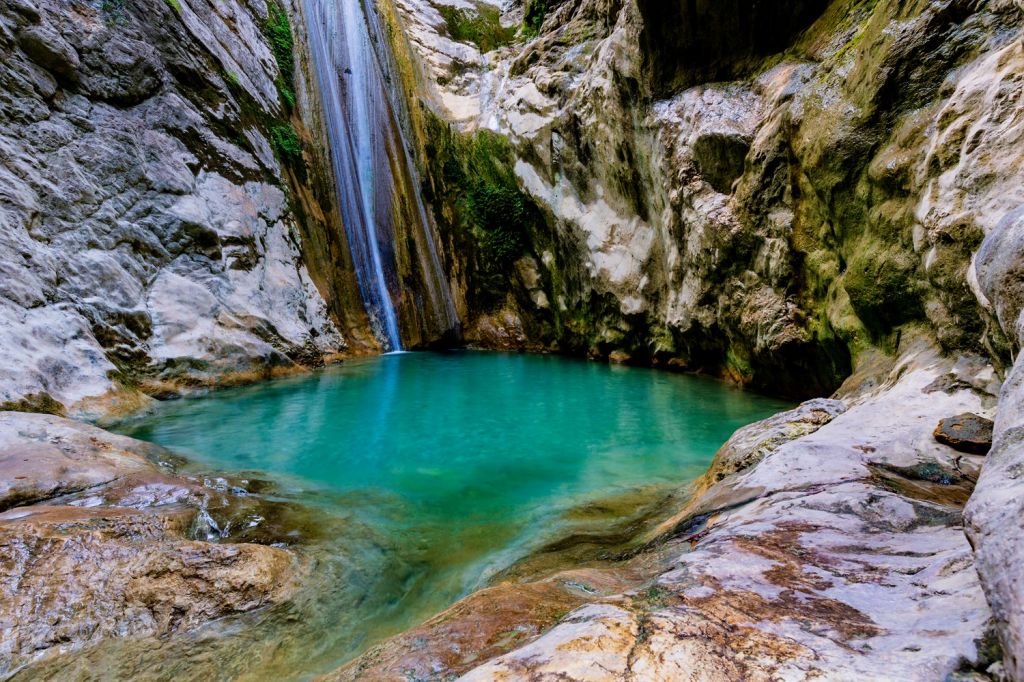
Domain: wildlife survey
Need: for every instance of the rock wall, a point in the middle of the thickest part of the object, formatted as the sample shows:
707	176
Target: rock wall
782	199
786	196
769	228
157	212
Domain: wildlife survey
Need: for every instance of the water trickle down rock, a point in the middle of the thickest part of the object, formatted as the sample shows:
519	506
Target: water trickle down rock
377	186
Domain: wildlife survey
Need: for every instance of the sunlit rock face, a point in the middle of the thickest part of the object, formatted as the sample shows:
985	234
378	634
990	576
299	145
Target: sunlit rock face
766	210
147	234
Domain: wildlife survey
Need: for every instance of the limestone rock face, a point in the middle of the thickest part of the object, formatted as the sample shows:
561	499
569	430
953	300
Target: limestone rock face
993	514
768	227
145	229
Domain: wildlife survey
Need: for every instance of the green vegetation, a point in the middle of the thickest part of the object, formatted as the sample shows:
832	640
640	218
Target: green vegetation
113	9
533	17
482	28
39	403
286	142
279	32
499	213
474	184
175	5
881	283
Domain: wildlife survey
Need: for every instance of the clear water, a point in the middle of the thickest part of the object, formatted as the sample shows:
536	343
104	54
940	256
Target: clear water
443	469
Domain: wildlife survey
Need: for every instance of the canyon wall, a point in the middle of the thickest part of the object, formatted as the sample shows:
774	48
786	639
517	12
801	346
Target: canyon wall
162	228
699	186
787	197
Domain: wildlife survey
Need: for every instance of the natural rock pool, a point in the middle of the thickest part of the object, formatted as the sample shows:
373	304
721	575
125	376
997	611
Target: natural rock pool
427	475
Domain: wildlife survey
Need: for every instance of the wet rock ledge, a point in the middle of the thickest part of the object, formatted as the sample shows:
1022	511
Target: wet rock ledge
99	539
825	542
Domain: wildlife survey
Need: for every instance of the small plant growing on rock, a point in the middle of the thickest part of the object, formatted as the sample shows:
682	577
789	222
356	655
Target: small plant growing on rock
278	30
113	10
499	213
472	179
286	142
483	28
175	5
533	17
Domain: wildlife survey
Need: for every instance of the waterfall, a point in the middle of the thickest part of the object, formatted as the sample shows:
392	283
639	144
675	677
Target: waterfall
372	165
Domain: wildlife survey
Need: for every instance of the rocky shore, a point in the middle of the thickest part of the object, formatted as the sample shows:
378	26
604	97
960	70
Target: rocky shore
826	542
821	201
102	539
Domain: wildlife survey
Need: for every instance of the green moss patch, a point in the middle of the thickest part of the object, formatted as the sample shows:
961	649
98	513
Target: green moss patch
278	30
533	17
38	403
880	282
286	141
473	184
482	28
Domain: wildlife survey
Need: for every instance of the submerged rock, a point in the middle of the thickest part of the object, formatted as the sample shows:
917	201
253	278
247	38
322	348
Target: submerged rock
73	576
966	433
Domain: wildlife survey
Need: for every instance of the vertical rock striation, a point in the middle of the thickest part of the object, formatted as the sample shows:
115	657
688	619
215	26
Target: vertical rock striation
154	203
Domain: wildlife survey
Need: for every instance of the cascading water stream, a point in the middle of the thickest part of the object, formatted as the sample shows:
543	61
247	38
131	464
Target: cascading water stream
371	162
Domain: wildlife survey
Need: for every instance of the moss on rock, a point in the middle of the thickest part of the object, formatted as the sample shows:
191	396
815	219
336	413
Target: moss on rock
481	26
38	403
473	183
882	287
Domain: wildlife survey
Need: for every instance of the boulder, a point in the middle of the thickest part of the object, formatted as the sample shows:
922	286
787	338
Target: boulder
966	432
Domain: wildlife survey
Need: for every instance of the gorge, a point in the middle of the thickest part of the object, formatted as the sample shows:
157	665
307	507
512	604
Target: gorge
816	200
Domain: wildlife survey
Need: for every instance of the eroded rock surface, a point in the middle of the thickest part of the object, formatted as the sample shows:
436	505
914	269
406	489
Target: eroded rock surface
97	538
768	228
145	230
994	512
966	432
783	209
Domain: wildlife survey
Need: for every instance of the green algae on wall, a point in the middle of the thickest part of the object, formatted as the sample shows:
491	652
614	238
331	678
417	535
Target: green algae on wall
279	33
481	26
534	14
474	189
38	403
